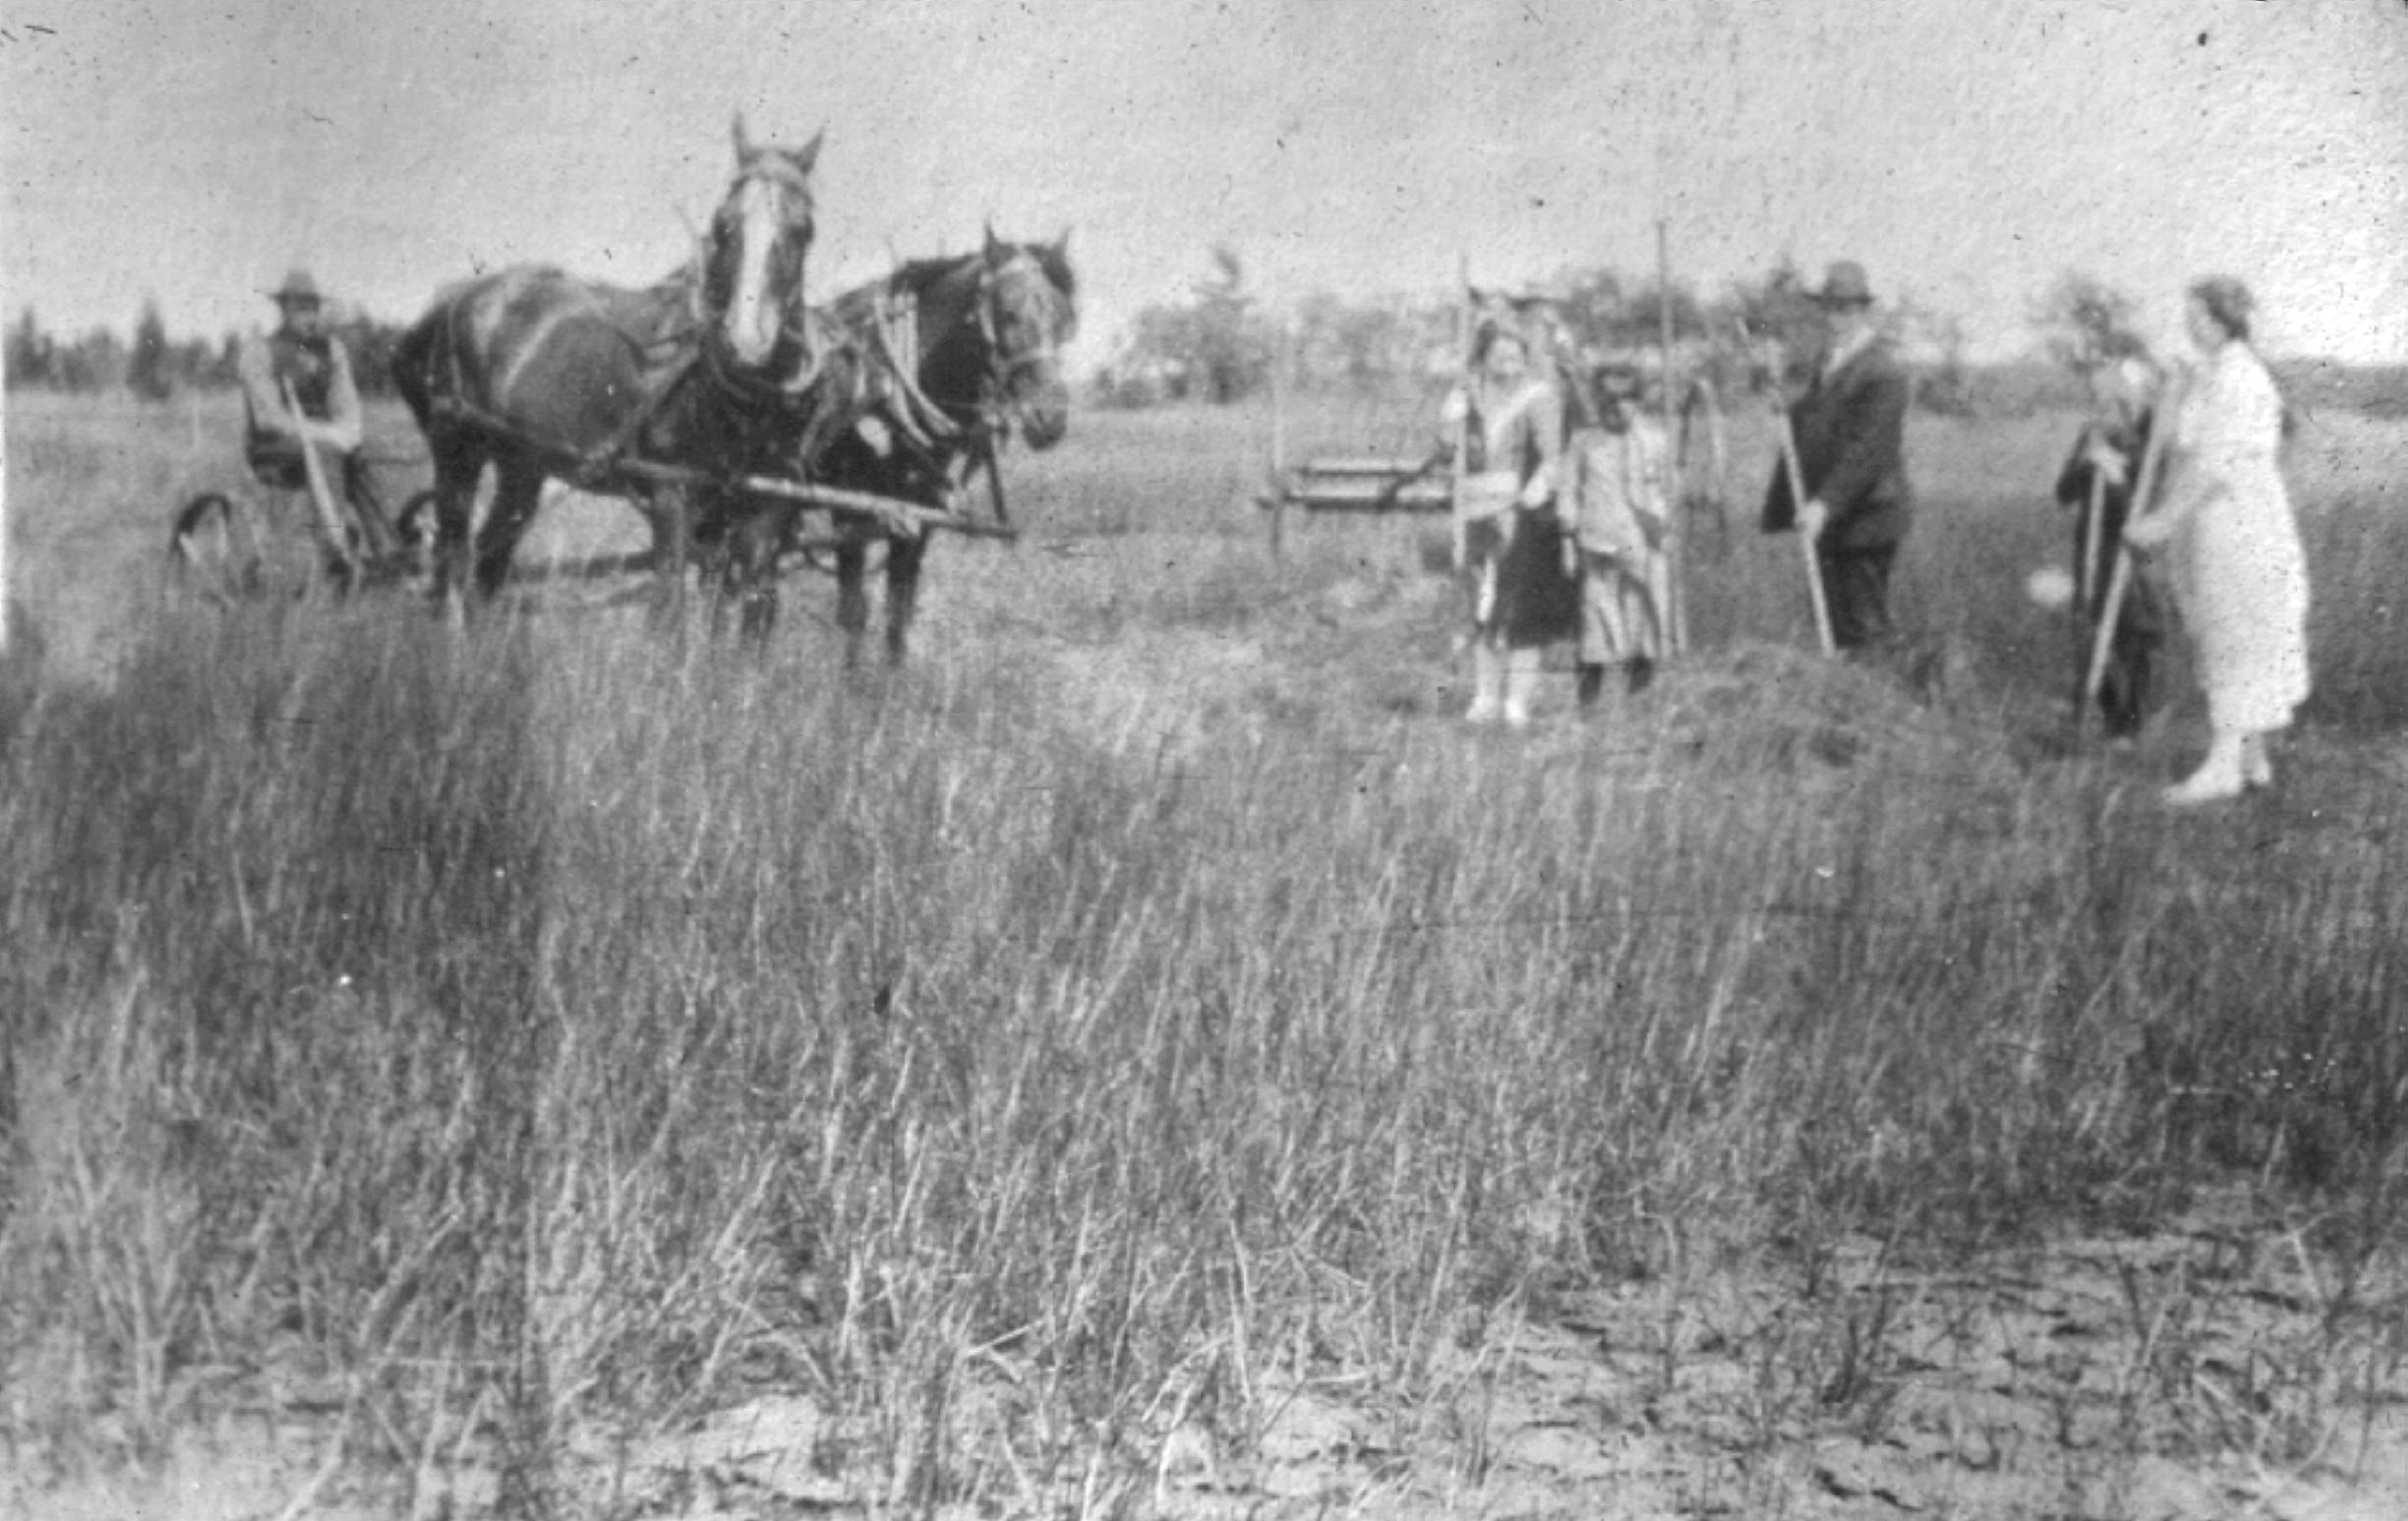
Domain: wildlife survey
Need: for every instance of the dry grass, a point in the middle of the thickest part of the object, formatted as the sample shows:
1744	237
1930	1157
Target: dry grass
1069	1064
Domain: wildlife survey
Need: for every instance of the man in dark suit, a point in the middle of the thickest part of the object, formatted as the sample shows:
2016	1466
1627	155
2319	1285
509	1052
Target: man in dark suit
1850	427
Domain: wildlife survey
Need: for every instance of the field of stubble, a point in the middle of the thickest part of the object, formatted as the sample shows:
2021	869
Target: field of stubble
1148	1058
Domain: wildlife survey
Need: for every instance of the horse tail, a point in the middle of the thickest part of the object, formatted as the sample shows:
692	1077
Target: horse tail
412	366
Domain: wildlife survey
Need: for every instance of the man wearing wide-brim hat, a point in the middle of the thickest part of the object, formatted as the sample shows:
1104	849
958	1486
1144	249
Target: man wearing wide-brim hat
1850	432
303	360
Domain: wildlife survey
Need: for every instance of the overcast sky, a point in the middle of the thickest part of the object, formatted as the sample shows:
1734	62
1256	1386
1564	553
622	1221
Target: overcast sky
1967	151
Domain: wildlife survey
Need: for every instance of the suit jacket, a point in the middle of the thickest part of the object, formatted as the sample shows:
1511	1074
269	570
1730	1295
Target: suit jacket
1850	429
2141	616
2129	440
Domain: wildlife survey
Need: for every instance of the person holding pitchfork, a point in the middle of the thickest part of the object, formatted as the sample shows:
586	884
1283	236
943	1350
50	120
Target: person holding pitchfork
2099	481
303	415
1847	449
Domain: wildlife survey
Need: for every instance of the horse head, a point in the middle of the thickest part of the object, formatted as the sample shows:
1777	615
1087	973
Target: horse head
751	291
1028	309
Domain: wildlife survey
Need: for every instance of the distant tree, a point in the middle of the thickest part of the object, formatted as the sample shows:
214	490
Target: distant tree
2085	323
1935	341
1362	347
1215	347
31	358
96	362
1636	321
1592	304
1235	344
371	344
150	371
1775	329
191	362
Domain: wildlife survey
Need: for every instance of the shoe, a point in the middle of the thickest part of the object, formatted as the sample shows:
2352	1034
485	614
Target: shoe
1487	685
1589	684
2257	768
2196	790
1638	674
2218	777
1521	684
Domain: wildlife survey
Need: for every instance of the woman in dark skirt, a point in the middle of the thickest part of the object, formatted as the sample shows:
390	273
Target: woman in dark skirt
1513	423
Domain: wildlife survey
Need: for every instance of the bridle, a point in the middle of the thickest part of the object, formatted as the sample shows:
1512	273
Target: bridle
997	402
794	330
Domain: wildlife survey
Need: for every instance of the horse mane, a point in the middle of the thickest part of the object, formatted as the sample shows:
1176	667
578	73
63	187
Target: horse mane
917	274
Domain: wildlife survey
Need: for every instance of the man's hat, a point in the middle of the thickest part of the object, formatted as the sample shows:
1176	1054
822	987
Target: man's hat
297	286
1844	286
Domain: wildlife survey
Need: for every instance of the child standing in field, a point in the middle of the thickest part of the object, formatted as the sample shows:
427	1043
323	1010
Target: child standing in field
1615	500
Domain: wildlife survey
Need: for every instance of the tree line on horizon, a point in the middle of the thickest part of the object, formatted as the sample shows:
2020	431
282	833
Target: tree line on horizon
155	366
1222	344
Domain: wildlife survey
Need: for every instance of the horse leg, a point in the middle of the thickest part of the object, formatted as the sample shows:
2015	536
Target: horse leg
904	555
673	546
752	569
459	461
518	487
852	598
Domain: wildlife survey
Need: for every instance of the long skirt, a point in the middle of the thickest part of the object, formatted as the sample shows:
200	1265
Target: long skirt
1521	597
2241	579
1621	606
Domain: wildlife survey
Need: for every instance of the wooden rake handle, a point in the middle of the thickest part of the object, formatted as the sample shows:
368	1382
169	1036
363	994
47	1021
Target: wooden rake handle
1805	541
2103	640
329	521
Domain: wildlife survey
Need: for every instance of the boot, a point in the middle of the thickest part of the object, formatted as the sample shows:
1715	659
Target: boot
2218	776
2256	766
1488	682
1638	674
1521	684
1590	684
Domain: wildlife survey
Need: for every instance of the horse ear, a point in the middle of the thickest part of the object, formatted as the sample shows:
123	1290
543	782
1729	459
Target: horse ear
994	244
808	154
743	139
1061	245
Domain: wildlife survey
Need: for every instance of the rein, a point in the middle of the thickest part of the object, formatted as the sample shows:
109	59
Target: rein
993	405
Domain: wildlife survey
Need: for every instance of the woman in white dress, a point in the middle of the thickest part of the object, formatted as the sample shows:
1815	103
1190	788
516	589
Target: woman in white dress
2232	549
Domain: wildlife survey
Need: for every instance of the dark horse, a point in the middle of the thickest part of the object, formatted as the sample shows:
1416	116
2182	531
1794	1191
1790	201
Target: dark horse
980	338
654	395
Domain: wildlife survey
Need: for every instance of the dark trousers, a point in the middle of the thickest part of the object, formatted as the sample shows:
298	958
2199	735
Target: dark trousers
1856	590
1518	556
2123	686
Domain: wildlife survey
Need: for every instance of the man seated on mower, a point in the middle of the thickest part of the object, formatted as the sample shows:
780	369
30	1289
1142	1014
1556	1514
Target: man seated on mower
298	392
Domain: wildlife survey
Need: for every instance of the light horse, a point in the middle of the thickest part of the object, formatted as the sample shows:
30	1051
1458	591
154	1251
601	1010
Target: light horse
981	340
657	396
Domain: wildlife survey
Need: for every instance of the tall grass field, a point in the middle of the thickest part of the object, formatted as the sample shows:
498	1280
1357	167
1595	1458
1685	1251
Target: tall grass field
493	1052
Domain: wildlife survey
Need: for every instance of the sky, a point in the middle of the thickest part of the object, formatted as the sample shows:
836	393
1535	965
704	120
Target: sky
1966	151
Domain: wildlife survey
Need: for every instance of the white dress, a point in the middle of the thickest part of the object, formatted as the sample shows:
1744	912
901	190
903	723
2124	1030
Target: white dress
2239	572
